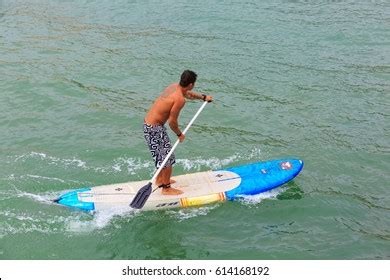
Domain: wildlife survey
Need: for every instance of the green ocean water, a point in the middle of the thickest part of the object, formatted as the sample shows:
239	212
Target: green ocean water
306	79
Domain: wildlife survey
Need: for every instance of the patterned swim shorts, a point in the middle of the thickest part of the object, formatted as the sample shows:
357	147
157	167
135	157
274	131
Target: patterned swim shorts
157	138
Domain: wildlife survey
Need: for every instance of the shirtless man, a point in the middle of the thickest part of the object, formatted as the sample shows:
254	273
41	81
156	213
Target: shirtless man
167	107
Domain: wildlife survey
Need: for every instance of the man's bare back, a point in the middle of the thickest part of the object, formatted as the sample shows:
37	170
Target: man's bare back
167	108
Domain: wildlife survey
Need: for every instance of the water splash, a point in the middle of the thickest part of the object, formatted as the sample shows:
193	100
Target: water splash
98	220
51	160
46	198
80	221
216	163
193	212
199	163
251	200
69	222
129	165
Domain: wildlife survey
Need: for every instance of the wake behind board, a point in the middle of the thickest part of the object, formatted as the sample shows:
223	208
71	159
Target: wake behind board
199	188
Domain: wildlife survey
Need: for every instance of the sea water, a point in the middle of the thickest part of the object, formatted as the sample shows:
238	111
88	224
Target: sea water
306	79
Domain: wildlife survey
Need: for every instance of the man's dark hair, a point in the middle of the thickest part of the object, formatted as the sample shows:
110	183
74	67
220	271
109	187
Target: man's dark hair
187	77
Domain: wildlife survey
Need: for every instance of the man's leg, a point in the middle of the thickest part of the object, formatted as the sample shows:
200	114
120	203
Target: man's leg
161	177
165	178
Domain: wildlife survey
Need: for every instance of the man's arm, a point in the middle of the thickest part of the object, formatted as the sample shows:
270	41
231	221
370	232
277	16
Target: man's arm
174	116
196	95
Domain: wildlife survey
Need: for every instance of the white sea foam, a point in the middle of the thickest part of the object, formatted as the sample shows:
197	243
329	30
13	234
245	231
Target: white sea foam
46	198
39	178
23	221
72	222
131	165
211	163
255	153
99	219
8	215
8	229
258	198
217	163
51	160
192	212
45	178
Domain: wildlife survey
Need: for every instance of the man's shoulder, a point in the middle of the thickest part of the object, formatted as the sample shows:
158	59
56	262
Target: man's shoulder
171	87
178	99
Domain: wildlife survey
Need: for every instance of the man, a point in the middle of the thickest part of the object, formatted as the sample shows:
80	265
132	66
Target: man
167	107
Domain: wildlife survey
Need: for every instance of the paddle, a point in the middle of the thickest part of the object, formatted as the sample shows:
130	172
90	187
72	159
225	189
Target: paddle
143	194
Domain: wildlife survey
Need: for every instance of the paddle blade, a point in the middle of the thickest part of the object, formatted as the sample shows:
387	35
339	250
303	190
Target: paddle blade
142	196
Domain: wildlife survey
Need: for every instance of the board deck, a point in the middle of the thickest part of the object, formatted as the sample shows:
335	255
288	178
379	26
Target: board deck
198	188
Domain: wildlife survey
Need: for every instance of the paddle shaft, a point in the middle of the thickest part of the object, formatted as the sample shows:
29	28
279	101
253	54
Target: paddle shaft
177	142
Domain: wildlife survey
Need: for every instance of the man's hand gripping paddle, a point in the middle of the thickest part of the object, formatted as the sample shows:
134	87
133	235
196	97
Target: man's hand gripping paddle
143	194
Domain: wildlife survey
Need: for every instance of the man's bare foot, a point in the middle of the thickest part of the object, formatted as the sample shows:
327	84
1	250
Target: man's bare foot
171	191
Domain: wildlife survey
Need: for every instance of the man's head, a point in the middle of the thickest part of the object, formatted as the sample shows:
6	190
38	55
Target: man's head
188	79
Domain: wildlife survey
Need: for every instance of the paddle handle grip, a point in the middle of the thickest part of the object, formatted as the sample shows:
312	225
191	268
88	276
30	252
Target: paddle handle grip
178	141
